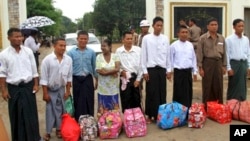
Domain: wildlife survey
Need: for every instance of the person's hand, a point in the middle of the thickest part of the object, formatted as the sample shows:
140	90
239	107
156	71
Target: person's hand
248	72
115	75
136	84
5	95
195	77
169	76
66	95
123	74
224	70
46	97
201	72
35	89
146	76
230	73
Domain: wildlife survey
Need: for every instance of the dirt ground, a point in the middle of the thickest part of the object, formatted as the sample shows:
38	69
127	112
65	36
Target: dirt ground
212	131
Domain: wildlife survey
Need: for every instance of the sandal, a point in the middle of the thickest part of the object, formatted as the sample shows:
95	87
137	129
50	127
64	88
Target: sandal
58	134
46	137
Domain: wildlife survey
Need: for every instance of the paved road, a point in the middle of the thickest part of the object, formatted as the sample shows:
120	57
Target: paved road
212	131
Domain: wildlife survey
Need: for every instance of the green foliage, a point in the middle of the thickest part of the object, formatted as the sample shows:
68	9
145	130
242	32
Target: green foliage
109	15
45	8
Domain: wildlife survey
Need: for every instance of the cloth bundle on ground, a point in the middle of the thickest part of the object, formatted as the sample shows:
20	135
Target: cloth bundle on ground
88	126
240	110
110	124
69	107
219	112
172	115
134	122
197	115
70	129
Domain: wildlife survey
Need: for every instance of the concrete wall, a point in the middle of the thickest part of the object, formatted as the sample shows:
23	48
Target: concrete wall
12	13
232	9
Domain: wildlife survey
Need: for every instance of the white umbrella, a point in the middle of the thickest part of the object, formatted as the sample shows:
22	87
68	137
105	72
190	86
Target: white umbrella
37	21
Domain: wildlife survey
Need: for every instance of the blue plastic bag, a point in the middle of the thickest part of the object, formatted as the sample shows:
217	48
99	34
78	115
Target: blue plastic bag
172	115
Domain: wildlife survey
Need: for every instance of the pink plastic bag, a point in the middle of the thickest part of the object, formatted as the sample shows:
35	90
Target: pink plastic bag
240	110
110	124
134	123
70	129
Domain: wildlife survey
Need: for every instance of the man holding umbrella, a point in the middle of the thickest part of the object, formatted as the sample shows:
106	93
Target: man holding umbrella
33	44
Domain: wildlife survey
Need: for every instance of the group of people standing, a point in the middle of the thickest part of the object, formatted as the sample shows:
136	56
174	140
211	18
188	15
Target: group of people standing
120	74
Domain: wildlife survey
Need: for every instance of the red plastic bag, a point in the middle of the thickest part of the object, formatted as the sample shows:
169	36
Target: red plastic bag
70	129
219	112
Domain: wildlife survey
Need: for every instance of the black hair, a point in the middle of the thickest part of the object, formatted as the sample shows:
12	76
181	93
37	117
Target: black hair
192	20
55	41
13	29
109	43
237	21
211	20
82	32
156	19
181	27
125	33
33	32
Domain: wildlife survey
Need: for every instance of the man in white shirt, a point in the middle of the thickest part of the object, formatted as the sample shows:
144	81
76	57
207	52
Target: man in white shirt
33	45
56	78
156	66
183	60
238	58
19	83
130	63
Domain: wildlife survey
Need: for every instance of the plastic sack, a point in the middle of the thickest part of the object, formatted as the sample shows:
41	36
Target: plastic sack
69	106
70	129
219	112
197	115
171	115
88	126
134	123
240	110
110	124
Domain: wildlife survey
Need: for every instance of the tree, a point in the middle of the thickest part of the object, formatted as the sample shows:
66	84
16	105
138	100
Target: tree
105	17
45	8
109	15
67	25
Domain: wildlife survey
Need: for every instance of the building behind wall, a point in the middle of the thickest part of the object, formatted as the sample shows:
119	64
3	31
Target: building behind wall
12	13
226	11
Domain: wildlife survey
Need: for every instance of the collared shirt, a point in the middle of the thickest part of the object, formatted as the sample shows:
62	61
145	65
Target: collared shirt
135	38
55	74
130	60
30	42
194	33
140	37
155	52
237	49
211	48
183	56
17	67
83	61
107	85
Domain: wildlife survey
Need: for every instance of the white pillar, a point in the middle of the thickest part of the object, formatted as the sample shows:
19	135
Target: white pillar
4	16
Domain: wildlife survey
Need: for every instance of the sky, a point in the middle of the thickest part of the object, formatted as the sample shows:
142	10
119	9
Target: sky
74	9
